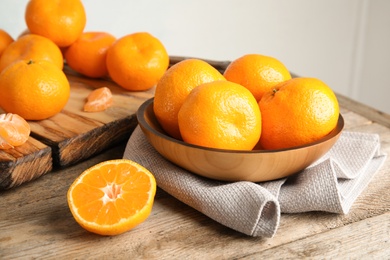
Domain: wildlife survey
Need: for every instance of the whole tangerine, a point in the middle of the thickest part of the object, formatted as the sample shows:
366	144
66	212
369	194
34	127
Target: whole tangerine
87	55
32	47
256	72
297	112
137	61
222	115
35	90
61	21
174	86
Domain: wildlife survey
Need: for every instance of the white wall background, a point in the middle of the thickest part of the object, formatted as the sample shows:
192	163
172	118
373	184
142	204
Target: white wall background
345	43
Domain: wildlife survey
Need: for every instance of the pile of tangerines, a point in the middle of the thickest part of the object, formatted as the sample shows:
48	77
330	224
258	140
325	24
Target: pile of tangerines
253	104
33	85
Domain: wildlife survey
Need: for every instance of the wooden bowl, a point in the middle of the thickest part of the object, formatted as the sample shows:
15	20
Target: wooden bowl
230	165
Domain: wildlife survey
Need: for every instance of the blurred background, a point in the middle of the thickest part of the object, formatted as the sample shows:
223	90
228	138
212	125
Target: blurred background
345	43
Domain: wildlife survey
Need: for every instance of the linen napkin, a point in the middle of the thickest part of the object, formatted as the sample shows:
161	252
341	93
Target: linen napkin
331	184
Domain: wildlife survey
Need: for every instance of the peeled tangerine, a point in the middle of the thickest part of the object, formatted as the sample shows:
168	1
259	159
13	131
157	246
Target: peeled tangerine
14	130
98	100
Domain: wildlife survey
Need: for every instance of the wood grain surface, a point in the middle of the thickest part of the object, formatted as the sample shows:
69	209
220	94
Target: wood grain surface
36	223
72	135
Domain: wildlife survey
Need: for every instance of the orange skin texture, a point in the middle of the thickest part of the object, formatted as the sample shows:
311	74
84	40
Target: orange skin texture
222	115
174	87
137	61
256	72
5	40
61	21
35	90
87	55
297	112
32	47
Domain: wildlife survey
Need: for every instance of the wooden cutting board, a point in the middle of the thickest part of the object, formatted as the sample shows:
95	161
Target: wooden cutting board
72	135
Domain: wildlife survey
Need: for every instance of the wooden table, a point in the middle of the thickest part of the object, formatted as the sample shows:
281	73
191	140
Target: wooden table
35	221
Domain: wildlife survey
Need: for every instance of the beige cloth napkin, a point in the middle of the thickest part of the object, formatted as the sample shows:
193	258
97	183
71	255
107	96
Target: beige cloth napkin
331	184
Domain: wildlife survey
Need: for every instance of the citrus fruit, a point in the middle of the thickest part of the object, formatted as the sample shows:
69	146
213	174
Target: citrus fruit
297	112
256	72
174	86
14	131
35	90
112	197
137	61
61	21
34	47
98	100
5	40
87	55
220	114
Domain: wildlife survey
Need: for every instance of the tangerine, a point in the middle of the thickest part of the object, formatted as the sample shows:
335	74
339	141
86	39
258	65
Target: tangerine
137	61
98	100
61	21
297	112
258	73
32	47
220	114
35	90
5	40
174	86
14	130
87	55
112	197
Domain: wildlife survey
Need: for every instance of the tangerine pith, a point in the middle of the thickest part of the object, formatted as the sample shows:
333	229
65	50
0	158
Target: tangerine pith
112	197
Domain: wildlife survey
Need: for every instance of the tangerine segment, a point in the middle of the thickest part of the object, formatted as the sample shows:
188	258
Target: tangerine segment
14	130
112	197
98	100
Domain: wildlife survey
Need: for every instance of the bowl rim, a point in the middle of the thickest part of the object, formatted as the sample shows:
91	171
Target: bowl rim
142	122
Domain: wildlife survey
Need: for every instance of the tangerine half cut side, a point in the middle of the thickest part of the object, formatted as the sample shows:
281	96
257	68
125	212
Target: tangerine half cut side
112	197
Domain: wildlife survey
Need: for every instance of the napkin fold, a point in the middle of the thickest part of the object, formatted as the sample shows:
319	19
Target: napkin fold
331	184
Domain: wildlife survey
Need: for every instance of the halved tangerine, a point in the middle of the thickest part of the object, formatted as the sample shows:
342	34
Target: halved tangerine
112	197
